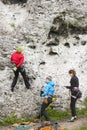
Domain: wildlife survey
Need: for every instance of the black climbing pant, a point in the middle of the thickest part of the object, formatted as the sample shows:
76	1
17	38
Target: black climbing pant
43	110
73	106
23	73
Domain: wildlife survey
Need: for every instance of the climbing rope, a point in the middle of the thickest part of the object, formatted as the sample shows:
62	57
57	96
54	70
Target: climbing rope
39	73
37	62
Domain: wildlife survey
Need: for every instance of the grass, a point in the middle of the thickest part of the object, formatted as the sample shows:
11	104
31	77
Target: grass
55	115
58	115
83	112
83	128
61	115
13	119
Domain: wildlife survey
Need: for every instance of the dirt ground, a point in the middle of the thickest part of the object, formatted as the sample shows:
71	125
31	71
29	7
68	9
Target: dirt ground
74	125
71	126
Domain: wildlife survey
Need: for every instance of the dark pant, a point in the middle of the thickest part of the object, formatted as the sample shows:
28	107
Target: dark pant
73	106
43	110
23	73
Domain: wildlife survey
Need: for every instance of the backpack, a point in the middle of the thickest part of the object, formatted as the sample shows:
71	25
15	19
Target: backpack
51	126
79	94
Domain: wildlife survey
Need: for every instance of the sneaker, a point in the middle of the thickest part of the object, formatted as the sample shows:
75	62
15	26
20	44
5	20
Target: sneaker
75	117
71	120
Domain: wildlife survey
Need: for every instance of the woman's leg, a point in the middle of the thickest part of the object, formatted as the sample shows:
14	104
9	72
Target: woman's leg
73	106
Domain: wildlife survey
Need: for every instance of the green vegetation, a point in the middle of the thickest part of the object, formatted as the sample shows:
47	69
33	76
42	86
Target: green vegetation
58	115
61	115
83	128
83	112
85	102
55	115
13	119
12	25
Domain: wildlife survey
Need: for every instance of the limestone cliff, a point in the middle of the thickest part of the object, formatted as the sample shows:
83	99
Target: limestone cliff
53	34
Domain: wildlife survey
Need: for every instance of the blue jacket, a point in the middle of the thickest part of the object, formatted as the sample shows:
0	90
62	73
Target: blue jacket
49	89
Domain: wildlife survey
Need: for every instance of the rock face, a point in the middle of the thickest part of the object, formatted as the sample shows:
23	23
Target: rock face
14	1
54	37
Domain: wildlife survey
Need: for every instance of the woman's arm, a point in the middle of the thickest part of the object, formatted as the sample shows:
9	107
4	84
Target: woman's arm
46	90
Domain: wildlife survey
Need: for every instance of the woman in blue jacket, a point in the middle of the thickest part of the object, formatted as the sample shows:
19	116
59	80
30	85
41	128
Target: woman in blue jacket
48	92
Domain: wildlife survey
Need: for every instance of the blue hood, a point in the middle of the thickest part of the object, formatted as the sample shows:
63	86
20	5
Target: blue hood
49	89
51	83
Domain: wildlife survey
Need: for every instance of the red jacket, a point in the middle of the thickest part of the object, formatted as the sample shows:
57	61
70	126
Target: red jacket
17	58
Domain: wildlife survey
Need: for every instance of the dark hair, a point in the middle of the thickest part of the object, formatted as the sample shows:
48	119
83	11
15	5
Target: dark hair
72	71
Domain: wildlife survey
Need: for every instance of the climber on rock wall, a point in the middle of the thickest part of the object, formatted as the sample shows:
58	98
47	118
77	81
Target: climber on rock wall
17	59
73	90
47	92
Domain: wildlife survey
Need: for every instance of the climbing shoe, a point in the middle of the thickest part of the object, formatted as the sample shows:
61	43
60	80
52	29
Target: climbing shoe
28	87
12	89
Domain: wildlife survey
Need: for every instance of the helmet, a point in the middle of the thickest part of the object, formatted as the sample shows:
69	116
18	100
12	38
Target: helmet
19	49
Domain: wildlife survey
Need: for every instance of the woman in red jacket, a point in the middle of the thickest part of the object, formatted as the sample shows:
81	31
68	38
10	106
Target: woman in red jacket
17	58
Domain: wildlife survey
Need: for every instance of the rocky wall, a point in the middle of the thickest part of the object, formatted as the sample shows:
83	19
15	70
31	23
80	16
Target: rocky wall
53	34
